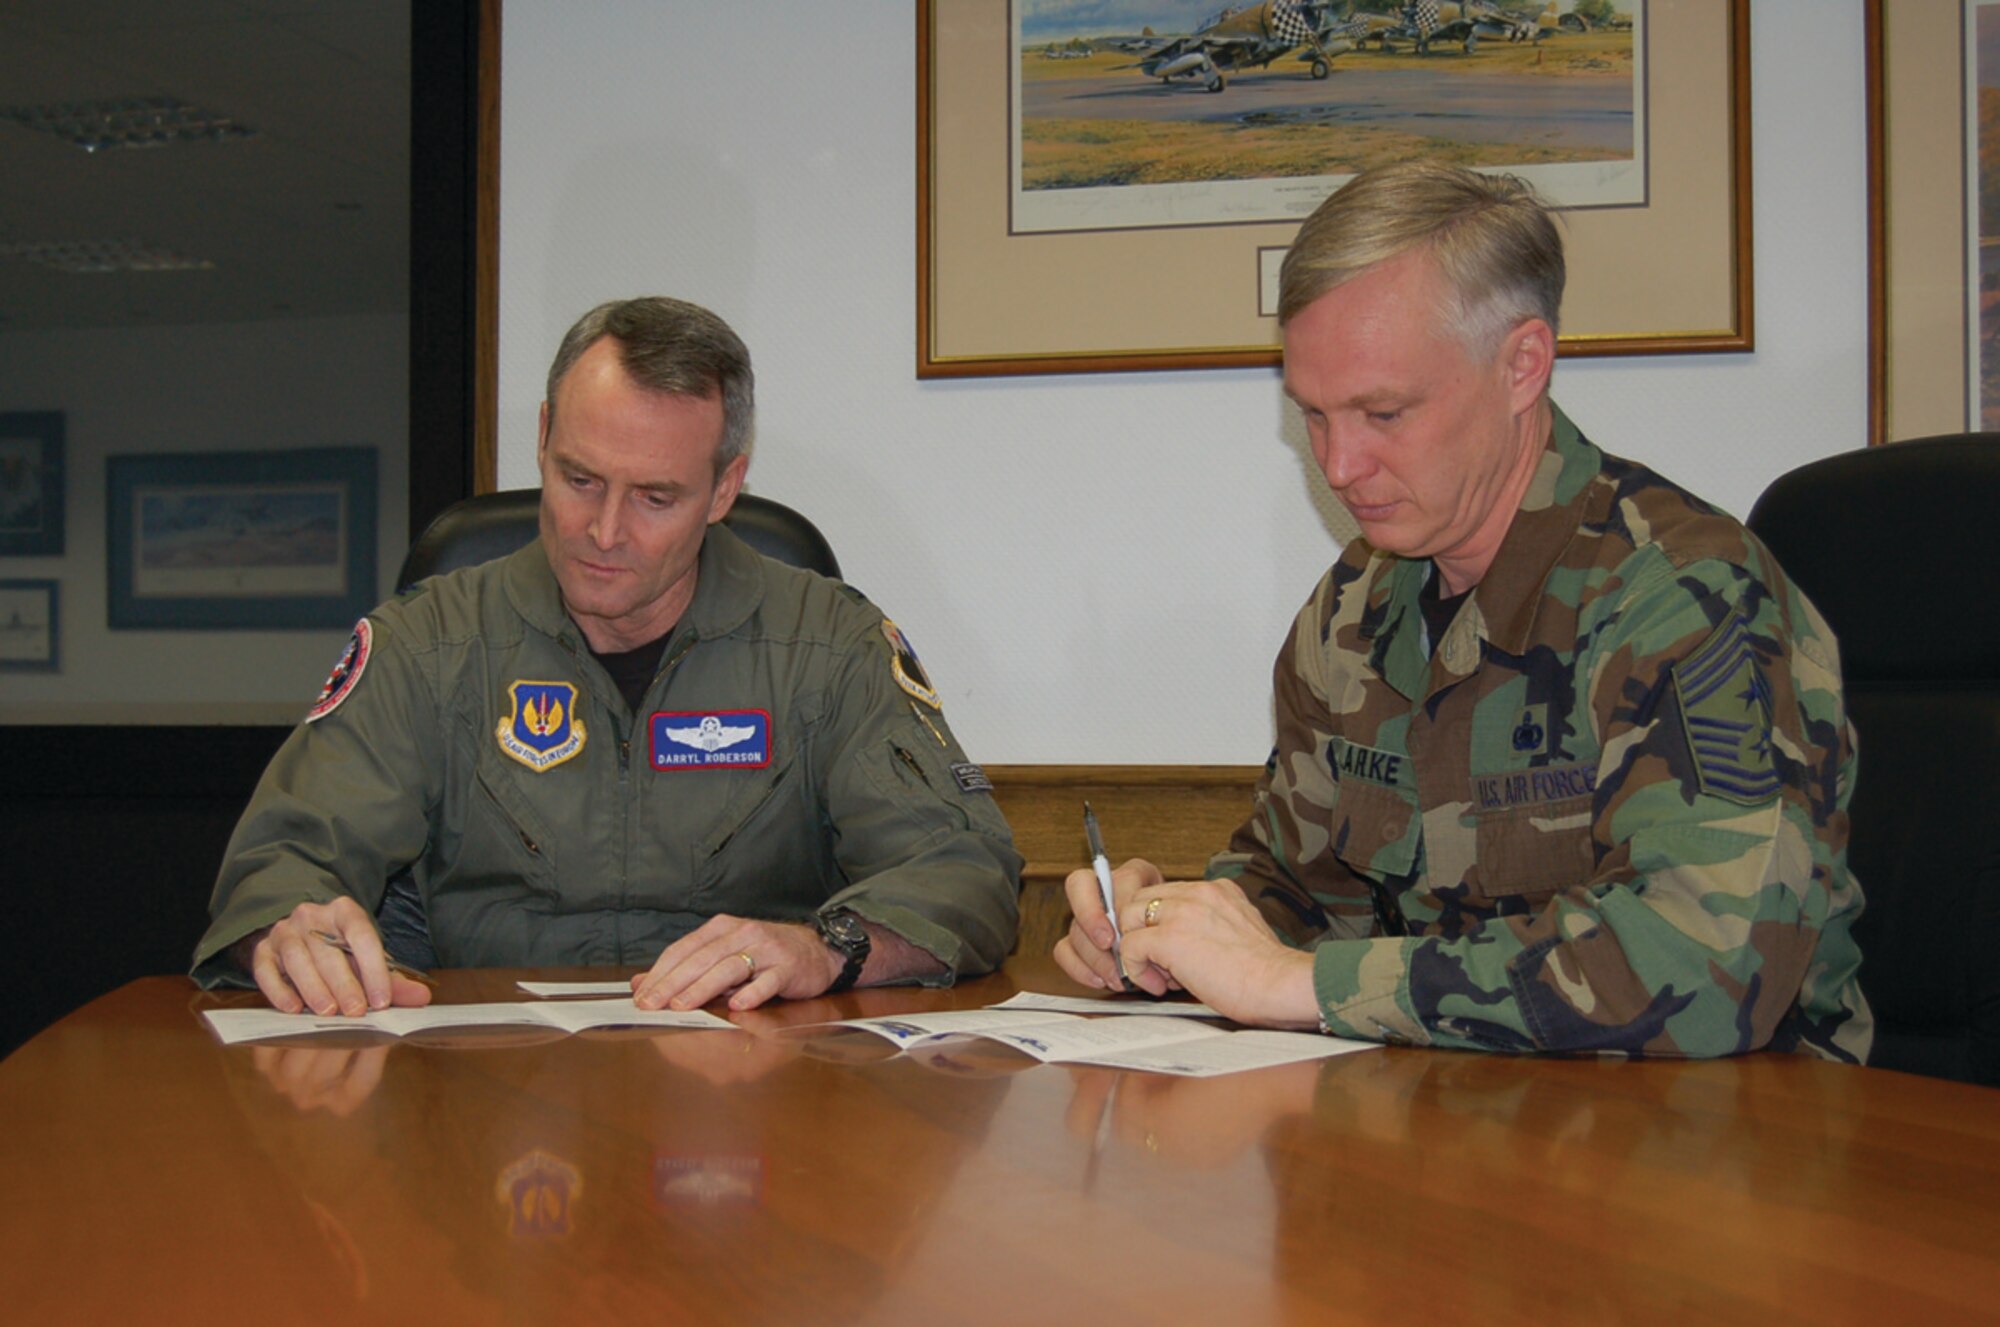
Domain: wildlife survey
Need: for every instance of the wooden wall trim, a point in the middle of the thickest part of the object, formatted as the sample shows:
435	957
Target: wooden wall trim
1176	816
486	256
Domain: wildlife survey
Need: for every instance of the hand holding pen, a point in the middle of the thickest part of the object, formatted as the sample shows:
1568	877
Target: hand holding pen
327	957
1090	952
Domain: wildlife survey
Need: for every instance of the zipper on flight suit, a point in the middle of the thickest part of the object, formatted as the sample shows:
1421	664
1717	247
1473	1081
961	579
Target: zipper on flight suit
666	666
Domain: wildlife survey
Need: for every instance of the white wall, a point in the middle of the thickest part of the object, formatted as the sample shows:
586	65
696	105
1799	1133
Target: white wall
1096	568
277	385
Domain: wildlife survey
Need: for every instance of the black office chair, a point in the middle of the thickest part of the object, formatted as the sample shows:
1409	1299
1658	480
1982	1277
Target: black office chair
1893	544
490	525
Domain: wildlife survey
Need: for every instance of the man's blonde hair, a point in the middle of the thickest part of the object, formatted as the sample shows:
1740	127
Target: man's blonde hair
1494	240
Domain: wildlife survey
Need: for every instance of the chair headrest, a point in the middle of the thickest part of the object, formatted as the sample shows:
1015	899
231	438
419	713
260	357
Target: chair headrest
1892	545
492	525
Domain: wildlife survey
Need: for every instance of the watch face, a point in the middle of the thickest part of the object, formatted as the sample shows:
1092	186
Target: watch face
846	936
845	930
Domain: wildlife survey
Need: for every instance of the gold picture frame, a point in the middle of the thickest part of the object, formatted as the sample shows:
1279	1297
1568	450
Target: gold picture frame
1919	343
1670	275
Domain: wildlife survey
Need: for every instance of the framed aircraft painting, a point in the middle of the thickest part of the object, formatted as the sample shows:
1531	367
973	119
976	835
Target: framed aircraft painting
1108	185
245	540
1934	115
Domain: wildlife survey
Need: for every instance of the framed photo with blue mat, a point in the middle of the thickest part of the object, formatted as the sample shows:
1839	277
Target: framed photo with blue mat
31	483
241	540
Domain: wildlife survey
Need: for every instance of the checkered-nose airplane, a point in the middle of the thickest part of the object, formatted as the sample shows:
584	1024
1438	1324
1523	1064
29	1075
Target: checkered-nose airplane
1421	22
1252	36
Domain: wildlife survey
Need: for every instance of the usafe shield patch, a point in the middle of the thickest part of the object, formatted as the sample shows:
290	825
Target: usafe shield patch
543	730
346	672
711	739
910	675
1726	710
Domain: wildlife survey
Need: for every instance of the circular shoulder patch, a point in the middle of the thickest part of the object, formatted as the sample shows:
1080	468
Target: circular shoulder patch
346	672
910	675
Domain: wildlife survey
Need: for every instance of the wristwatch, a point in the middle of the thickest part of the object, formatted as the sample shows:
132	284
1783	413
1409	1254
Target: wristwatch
845	934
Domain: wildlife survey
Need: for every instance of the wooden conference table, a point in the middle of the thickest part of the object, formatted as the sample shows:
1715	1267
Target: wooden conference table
154	1175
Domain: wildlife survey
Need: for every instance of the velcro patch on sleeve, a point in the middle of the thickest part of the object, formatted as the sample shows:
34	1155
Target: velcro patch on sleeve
346	672
970	778
1725	707
909	673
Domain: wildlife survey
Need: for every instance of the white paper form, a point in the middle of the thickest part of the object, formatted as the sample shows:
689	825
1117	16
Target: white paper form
555	990
1179	1046
909	1029
1077	1004
1172	1046
234	1025
1084	1039
1231	1052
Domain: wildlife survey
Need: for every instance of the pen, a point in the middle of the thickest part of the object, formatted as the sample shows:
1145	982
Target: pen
414	974
1102	865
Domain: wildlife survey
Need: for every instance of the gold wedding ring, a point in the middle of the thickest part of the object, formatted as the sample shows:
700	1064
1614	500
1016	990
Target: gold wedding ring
1152	911
751	964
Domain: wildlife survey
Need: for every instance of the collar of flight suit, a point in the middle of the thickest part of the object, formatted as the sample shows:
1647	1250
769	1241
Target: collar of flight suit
1502	607
729	585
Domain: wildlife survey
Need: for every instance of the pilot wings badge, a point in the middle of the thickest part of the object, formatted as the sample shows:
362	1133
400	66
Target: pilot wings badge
543	731
711	739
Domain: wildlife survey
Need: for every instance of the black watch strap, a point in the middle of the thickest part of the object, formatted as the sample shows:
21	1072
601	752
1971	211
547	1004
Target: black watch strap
845	934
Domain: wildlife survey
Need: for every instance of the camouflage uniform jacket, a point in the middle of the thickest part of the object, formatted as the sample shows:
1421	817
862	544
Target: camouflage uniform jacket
606	847
1608	813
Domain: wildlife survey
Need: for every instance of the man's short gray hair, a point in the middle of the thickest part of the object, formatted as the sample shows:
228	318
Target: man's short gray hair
1494	240
670	345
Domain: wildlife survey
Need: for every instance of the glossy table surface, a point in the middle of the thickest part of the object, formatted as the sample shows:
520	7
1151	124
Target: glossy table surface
735	1177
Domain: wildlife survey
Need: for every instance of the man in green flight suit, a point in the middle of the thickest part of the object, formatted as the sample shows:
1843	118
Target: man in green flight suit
1562	762
634	742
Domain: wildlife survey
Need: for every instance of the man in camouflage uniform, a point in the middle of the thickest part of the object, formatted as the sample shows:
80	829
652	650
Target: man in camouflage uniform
1562	762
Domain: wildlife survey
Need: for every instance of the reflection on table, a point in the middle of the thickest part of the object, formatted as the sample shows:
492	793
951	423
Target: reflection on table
741	1176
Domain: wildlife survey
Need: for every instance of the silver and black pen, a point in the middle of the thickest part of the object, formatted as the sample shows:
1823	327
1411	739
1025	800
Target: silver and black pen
335	939
1102	865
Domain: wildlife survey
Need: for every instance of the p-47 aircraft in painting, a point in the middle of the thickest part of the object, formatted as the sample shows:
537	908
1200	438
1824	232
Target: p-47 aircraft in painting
1252	36
1421	22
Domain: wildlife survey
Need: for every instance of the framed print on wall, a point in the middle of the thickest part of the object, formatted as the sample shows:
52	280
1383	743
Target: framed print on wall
1934	217
1078	213
31	483
241	540
29	631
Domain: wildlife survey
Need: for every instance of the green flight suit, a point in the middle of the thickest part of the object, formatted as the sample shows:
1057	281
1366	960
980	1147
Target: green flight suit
606	846
1607	813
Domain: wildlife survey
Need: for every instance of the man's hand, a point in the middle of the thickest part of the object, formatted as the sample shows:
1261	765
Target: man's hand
1085	953
297	970
759	961
1206	936
322	1078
